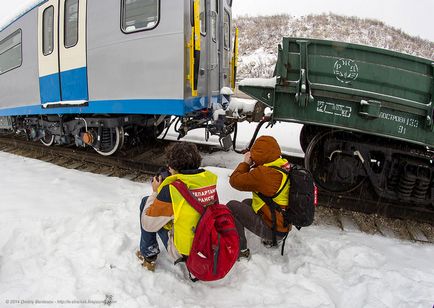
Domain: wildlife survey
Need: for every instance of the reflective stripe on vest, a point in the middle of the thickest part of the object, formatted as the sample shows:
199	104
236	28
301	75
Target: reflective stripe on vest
282	198
203	186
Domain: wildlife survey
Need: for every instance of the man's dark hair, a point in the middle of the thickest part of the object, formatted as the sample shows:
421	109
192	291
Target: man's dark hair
183	156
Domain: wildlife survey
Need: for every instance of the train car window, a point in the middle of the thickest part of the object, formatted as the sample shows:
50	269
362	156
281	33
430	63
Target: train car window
47	31
214	14
202	17
71	23
138	15
214	26
192	12
227	27
11	52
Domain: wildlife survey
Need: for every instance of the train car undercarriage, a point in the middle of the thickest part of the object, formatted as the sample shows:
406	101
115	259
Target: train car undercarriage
341	161
105	134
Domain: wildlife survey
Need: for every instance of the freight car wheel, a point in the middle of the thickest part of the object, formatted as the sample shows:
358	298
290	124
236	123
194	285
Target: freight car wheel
48	140
112	139
333	171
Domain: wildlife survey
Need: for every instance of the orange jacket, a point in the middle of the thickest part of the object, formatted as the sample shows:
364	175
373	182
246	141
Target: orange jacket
259	178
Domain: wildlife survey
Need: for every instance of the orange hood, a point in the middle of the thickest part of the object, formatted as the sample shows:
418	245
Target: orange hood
265	150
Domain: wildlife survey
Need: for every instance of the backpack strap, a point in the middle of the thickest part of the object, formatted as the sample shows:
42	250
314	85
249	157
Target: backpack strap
286	181
274	207
183	259
192	200
188	195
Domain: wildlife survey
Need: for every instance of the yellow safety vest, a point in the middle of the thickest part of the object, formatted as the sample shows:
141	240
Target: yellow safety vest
203	186
282	198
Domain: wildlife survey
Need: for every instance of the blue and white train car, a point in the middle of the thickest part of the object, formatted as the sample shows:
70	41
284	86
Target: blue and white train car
88	71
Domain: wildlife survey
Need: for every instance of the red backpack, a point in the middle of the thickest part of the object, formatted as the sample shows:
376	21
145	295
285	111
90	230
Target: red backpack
216	243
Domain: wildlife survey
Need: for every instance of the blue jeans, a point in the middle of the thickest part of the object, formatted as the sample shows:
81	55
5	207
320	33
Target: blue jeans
148	241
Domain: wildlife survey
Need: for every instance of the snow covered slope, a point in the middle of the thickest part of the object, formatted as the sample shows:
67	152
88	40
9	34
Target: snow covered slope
260	36
71	236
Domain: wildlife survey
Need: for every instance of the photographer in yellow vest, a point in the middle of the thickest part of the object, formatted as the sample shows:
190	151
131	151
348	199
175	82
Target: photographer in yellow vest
167	213
257	174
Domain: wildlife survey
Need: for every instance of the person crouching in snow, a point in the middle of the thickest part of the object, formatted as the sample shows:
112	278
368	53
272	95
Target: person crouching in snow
256	174
166	213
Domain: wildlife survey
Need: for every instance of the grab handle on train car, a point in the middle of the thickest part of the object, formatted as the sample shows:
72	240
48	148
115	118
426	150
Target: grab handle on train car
234	61
196	47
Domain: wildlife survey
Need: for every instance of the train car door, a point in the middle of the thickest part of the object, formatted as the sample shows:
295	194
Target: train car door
48	51
225	18
218	44
62	51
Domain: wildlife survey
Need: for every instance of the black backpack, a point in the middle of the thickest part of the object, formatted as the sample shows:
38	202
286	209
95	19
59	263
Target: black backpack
303	198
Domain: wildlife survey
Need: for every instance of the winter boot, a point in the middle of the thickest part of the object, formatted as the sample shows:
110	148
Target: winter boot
244	254
147	262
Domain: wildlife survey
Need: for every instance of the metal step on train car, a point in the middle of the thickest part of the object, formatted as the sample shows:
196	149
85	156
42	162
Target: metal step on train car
367	115
96	73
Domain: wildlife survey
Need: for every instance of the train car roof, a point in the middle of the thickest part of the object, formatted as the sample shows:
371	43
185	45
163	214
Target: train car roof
36	3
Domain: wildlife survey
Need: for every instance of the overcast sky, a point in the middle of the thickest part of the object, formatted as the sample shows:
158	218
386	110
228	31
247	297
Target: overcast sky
415	17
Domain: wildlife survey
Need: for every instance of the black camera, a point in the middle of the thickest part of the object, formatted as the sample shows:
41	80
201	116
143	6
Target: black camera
163	172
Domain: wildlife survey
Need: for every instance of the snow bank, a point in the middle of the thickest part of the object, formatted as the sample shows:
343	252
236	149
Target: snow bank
68	235
286	134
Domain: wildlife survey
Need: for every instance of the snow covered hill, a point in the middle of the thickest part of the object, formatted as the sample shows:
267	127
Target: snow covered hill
70	237
260	36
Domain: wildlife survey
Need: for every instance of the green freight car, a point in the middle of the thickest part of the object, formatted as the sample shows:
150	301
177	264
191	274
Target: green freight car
367	115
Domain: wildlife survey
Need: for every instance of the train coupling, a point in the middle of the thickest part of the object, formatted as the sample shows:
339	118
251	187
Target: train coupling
235	111
222	116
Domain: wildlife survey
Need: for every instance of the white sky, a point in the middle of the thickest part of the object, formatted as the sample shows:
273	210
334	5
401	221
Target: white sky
414	17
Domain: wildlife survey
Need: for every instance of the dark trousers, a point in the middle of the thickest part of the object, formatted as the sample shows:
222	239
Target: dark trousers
245	217
148	241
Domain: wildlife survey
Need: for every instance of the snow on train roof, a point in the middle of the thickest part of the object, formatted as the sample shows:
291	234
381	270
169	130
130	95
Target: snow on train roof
259	82
9	14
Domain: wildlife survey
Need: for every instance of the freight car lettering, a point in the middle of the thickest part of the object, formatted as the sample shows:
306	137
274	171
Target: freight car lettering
392	117
413	123
334	109
402	130
399	119
346	70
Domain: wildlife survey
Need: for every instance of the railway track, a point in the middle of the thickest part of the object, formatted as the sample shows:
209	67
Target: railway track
140	163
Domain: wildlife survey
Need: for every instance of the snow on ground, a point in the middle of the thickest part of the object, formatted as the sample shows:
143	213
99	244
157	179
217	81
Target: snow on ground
286	134
71	236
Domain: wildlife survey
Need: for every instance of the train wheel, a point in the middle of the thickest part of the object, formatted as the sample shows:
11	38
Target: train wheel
48	140
334	171
112	139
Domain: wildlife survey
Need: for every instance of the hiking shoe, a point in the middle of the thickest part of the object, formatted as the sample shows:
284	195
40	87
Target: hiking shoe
269	243
244	254
140	256
147	262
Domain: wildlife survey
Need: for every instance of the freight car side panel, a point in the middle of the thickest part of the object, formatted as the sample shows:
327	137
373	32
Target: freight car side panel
20	86
352	87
